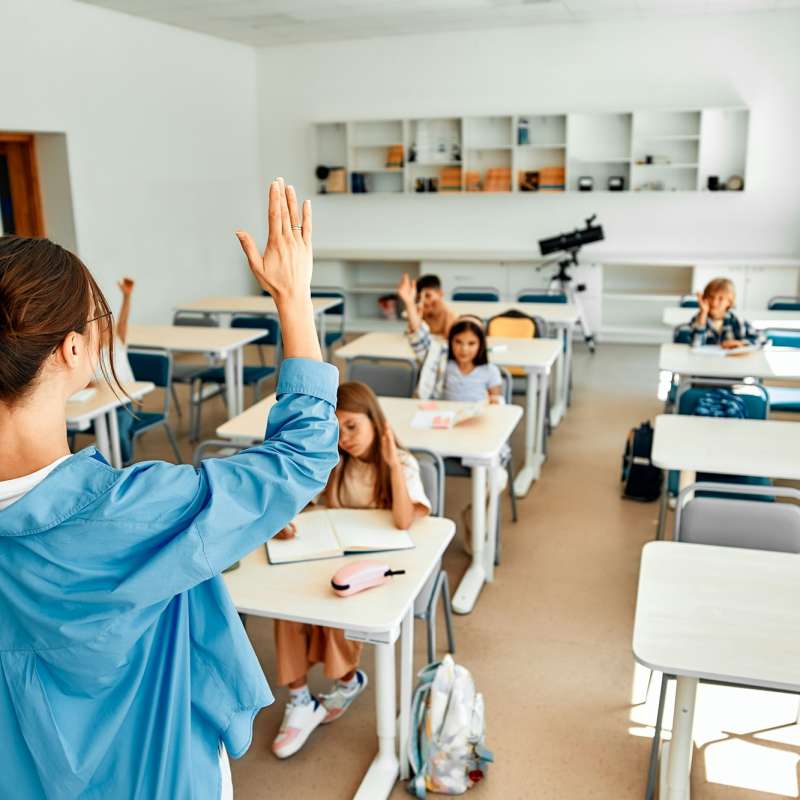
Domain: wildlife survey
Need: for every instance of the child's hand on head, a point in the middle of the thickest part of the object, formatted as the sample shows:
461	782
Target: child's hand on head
389	448
704	305
126	286
289	532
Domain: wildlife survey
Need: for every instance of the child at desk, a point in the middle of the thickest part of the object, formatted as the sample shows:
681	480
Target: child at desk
373	472
426	298
715	323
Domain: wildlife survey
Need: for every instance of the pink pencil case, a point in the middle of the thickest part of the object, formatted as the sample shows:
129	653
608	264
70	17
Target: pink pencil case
359	575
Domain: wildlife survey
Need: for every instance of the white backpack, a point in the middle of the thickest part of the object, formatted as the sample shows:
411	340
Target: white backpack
446	749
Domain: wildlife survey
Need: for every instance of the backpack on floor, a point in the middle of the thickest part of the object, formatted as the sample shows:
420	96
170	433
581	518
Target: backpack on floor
446	748
640	479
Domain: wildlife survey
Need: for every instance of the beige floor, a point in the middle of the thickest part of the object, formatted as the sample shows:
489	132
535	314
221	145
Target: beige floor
549	643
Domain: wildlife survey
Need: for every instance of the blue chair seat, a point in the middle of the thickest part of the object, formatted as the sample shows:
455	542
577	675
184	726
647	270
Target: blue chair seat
146	419
543	297
783	398
331	337
250	375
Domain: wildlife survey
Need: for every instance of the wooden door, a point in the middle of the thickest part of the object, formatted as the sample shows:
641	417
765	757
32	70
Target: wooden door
20	198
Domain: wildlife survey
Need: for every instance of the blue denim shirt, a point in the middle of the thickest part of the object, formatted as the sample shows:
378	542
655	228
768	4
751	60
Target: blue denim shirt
123	663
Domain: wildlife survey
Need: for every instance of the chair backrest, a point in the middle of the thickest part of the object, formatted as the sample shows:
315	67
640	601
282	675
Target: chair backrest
753	395
683	334
269	324
784	303
486	294
781	337
516	325
431	473
736	521
688	301
508	385
338	309
154	366
542	296
221	449
386	377
199	319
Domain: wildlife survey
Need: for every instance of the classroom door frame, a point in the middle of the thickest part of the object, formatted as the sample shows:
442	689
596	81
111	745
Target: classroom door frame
19	150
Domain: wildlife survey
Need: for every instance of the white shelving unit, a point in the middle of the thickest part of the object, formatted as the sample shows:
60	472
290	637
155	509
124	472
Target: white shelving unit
650	150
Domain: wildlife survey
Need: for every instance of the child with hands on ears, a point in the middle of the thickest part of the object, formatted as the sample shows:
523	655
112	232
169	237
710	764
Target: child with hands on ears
715	322
373	472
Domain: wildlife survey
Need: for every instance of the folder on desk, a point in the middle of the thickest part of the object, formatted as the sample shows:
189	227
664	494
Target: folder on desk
336	532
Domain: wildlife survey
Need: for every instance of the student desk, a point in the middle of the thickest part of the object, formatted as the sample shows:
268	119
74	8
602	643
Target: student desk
302	593
101	409
718	613
535	356
773	362
224	343
477	442
561	316
225	307
759	319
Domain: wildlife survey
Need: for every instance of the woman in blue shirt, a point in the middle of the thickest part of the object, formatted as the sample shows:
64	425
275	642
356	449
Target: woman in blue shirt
124	669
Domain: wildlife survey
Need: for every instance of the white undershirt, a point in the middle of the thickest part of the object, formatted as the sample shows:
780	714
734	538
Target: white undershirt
17	488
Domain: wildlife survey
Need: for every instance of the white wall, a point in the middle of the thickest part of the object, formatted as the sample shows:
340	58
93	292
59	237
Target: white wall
161	132
750	59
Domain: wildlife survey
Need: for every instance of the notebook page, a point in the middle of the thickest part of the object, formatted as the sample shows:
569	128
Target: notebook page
315	538
360	531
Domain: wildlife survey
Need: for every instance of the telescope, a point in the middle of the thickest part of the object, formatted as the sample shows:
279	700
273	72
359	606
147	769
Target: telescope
573	241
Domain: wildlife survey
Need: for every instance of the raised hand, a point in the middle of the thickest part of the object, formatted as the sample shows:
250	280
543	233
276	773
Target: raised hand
703	304
407	290
284	268
126	286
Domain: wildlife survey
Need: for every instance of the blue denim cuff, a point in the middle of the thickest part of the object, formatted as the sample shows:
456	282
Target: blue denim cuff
306	376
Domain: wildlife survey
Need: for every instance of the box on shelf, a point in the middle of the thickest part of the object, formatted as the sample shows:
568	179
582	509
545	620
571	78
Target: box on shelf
394	157
450	179
498	179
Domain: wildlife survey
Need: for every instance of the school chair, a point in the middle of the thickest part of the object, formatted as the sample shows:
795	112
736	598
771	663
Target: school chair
431	472
784	398
755	404
214	377
542	296
478	294
731	522
688	301
335	313
784	303
386	377
154	366
220	448
185	373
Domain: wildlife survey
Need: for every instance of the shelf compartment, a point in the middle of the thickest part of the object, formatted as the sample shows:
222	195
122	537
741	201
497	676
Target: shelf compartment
600	172
670	177
723	150
435	141
599	137
676	151
537	130
666	123
376	133
488	132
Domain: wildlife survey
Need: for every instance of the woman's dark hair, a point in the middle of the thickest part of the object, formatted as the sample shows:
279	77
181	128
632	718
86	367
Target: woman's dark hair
46	293
473	326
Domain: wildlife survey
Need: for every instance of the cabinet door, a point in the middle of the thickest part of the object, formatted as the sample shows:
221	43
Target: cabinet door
763	283
457	274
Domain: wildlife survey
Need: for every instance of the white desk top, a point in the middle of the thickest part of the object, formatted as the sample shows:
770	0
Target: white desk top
533	353
480	437
191	338
302	592
552	313
79	415
774	362
759	319
721	613
249	304
766	448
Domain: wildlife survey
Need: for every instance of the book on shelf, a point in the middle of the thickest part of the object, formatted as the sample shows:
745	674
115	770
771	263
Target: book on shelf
336	532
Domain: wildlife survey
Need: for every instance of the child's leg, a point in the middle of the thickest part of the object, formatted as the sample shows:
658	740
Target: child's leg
291	648
340	658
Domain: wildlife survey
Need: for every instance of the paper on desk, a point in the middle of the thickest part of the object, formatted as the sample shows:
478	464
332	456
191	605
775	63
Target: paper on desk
314	538
440	419
362	532
725	352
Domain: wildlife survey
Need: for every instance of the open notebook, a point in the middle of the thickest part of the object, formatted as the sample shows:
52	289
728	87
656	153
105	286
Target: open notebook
335	532
431	416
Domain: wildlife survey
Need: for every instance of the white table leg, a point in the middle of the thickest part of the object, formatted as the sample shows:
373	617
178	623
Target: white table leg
231	389
676	760
321	334
101	437
560	383
382	773
535	404
472	582
113	435
240	378
491	523
568	365
406	689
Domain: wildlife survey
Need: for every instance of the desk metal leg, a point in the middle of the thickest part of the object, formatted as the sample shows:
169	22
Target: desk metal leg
231	389
406	688
560	382
472	582
321	334
113	434
239	379
382	774
535	405
101	437
491	523
568	367
676	759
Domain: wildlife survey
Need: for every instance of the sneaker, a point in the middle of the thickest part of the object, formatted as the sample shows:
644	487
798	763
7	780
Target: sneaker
299	721
339	700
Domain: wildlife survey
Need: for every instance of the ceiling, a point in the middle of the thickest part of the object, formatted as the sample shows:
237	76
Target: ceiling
282	22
